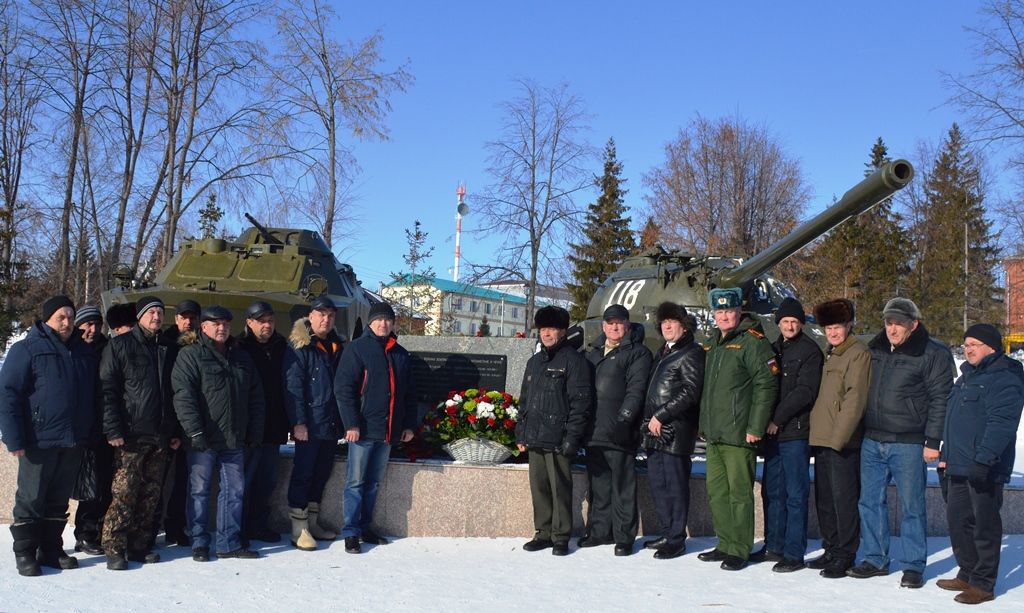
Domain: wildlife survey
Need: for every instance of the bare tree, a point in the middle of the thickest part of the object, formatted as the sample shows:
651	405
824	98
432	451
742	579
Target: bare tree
333	86
538	165
726	187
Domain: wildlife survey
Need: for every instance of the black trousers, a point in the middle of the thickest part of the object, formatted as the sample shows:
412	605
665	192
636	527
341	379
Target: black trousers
669	478
975	530
837	492
46	478
612	514
89	516
551	491
170	513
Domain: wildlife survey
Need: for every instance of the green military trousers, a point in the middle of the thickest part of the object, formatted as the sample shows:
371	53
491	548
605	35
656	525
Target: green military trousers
551	489
730	485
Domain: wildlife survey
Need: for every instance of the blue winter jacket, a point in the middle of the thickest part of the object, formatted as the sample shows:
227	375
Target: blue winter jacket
48	391
309	382
982	417
374	387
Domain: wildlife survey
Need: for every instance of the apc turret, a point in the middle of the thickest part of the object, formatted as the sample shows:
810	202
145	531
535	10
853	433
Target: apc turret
656	275
286	267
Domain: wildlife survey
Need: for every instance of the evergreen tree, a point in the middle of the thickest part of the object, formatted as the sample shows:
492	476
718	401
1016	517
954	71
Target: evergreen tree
209	215
415	287
485	328
648	236
950	297
864	259
608	239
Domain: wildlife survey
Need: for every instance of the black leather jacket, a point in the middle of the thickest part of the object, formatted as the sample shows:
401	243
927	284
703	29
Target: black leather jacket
620	381
135	375
673	396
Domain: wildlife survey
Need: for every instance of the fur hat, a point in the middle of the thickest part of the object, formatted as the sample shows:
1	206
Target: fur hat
725	298
791	307
904	308
120	315
671	310
52	304
986	333
551	317
839	311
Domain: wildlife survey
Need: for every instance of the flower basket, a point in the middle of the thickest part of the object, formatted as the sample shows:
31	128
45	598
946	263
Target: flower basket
477	451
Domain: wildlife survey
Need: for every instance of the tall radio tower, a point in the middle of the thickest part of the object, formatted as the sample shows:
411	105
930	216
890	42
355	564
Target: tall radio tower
460	210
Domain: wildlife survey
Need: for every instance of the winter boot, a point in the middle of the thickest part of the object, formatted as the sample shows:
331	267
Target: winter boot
51	545
116	561
26	541
301	537
318	531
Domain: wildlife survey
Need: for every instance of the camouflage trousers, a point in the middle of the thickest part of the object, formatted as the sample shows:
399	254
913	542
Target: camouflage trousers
135	494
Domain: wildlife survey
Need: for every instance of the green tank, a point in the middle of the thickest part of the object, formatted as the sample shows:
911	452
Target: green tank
656	275
286	267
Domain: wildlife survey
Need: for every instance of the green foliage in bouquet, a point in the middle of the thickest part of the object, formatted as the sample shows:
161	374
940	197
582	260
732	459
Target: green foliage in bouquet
474	413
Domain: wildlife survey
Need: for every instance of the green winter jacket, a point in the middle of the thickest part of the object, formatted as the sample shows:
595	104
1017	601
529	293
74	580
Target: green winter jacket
740	385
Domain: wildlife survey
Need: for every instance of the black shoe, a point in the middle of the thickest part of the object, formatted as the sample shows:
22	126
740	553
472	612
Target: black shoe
59	560
537	545
201	554
836	569
116	561
733	563
241	553
912	579
865	570
90	547
764	555
28	566
715	555
622	549
669	551
266	536
655	543
178	538
352	545
788	566
589	541
560	548
145	557
372	538
820	563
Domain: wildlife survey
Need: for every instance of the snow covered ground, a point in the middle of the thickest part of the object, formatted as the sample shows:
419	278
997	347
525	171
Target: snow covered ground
434	574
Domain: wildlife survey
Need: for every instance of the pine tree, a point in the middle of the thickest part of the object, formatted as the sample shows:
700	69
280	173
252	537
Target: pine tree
949	297
608	239
648	236
209	215
485	328
864	259
415	287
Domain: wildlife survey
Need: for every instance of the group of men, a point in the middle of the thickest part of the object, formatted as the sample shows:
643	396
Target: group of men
161	411
868	413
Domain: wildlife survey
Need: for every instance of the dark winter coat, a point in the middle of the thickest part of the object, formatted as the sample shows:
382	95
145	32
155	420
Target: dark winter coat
800	360
135	376
982	418
309	370
620	380
837	419
740	386
673	396
556	400
909	389
48	391
269	358
375	389
216	395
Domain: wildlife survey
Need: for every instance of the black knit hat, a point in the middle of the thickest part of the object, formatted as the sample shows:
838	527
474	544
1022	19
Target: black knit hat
551	317
832	312
790	307
381	310
120	315
57	302
86	314
986	333
146	303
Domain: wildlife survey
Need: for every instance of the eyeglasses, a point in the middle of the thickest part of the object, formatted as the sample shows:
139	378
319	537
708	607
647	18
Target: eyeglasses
972	345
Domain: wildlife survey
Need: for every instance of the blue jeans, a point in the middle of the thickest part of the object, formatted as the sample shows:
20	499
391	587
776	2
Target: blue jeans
903	463
311	469
787	486
201	466
260	479
367	461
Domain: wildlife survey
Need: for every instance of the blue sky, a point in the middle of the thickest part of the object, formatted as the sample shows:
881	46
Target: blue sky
825	78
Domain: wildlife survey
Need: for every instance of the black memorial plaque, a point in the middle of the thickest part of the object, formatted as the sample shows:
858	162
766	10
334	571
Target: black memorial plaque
436	374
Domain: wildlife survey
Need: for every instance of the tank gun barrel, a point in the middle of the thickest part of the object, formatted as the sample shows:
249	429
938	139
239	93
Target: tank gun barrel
267	236
884	182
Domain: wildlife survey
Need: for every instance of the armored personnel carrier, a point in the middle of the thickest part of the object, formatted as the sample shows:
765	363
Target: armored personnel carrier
650	278
286	267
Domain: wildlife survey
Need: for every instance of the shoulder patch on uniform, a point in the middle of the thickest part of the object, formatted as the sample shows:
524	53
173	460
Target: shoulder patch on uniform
734	346
755	333
773	366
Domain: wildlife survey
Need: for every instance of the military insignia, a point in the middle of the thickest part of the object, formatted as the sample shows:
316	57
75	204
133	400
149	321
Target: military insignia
734	346
723	301
755	333
773	365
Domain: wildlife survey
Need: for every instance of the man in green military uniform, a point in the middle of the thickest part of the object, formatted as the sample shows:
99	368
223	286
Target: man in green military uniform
740	388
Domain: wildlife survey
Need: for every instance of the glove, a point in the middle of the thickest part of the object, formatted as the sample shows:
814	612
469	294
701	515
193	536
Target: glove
568	449
977	474
198	442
